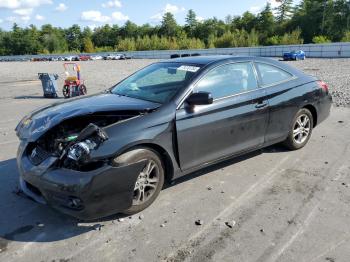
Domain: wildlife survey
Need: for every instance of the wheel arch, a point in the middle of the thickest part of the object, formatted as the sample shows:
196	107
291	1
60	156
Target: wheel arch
164	156
313	111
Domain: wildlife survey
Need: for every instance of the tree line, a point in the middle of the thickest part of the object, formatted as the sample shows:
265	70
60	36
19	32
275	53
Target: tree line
311	21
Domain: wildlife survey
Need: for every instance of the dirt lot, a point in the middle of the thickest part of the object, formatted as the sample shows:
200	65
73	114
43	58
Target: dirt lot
270	205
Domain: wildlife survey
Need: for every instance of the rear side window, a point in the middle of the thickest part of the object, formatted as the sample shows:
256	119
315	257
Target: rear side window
270	75
227	80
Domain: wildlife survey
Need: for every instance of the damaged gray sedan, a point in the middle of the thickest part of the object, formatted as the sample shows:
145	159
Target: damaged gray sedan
111	152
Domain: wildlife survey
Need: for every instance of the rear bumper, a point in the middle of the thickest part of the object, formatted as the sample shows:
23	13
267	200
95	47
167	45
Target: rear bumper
84	195
324	108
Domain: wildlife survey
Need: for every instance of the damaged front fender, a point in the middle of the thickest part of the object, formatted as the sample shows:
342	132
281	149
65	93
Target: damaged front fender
85	195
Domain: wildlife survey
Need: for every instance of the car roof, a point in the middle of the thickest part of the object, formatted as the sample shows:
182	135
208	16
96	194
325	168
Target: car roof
202	60
218	59
205	60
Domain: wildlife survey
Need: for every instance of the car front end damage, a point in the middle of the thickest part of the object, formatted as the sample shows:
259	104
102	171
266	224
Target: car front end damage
57	168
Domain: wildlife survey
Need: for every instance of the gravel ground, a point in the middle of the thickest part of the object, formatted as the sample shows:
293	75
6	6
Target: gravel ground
335	72
100	75
270	205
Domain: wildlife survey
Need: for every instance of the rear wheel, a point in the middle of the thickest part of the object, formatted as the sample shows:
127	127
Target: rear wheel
301	130
149	182
65	91
82	90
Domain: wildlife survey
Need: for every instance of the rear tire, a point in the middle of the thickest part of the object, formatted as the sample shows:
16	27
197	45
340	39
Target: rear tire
82	90
150	181
66	91
301	130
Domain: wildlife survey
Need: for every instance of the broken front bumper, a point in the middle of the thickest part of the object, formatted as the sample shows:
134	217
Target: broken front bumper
85	195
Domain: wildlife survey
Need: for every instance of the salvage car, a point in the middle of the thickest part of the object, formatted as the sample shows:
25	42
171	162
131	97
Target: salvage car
107	153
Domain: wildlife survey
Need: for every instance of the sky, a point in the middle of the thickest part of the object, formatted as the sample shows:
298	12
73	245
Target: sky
92	13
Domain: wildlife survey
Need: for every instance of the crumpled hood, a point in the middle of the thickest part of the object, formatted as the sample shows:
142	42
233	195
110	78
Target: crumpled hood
38	122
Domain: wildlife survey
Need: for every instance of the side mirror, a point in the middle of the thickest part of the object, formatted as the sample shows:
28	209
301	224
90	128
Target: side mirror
200	98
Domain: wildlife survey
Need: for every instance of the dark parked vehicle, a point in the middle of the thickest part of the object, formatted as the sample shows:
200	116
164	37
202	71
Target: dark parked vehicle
294	55
174	56
98	155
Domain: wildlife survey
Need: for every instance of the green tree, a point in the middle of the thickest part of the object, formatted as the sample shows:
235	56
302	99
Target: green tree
51	43
284	10
248	22
74	38
320	39
88	46
169	26
266	23
129	30
191	23
103	36
346	37
127	44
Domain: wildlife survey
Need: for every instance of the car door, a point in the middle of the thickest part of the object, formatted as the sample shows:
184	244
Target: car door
279	88
234	122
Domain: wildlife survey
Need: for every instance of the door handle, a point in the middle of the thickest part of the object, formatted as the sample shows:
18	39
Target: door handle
261	104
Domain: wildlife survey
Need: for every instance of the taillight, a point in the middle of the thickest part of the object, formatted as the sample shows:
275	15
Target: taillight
323	85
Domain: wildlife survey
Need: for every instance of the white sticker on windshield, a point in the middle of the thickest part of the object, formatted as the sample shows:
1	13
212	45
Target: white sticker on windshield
189	68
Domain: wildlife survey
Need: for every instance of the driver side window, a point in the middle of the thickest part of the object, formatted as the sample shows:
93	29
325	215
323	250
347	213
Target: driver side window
227	80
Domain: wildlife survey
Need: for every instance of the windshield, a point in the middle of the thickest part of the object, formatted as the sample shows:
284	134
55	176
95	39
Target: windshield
157	83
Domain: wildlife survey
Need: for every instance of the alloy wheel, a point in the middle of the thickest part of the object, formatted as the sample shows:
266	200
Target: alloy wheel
301	129
146	183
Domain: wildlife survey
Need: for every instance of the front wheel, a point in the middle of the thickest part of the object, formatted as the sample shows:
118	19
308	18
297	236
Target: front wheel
149	182
301	130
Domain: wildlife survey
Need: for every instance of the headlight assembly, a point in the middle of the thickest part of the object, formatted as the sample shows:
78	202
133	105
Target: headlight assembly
80	151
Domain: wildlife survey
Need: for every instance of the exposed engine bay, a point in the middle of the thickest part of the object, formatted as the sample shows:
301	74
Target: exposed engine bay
72	140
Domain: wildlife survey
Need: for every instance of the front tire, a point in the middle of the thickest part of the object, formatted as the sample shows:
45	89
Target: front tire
150	180
301	130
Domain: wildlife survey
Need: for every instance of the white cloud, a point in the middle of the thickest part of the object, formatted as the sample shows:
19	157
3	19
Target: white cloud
157	16
9	4
1	21
173	9
25	18
111	4
23	11
92	27
118	16
15	4
94	16
200	19
39	17
258	8
61	7
255	9
10	19
35	3
169	8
